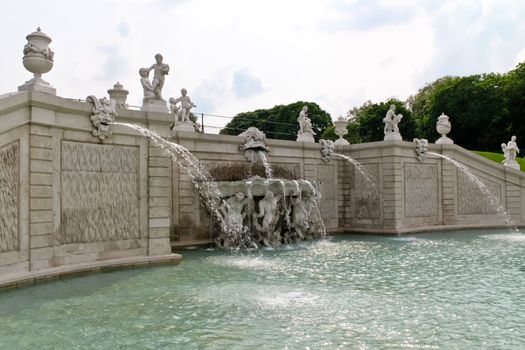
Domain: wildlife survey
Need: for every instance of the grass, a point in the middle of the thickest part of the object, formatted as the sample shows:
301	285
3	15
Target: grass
498	157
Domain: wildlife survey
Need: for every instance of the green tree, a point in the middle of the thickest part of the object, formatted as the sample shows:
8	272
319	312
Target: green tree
369	118
476	106
279	122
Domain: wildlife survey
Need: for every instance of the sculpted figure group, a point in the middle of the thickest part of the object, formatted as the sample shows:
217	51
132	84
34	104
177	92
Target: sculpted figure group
271	220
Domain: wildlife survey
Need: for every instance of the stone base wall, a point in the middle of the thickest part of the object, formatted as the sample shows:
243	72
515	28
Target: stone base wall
68	197
433	194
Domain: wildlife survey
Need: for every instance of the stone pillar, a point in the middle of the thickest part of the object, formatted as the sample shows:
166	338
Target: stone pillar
159	207
42	234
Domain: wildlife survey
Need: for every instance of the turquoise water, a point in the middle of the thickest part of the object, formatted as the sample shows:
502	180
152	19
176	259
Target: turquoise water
463	290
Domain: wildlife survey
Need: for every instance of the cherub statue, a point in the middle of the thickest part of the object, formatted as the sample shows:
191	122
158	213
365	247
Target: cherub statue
182	114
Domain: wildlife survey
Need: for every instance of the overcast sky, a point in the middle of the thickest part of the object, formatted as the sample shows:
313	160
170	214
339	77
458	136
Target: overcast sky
240	55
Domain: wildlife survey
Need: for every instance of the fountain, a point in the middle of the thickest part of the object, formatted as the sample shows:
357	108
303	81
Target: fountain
267	211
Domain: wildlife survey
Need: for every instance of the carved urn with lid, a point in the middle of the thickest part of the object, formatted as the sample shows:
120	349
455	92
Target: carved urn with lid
38	57
340	130
443	127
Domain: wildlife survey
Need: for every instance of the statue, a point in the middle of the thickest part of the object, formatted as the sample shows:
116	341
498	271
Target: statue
300	216
233	210
153	101
510	151
103	114
146	85
159	71
267	211
183	114
391	121
306	133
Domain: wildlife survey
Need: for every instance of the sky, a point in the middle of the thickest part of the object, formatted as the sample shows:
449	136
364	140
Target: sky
241	55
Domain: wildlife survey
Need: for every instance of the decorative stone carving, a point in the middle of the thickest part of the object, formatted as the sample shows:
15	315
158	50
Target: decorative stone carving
119	95
306	133
267	211
443	127
181	115
254	144
38	59
421	148
510	151
391	121
99	192
103	114
153	101
9	188
421	190
327	148
234	210
341	130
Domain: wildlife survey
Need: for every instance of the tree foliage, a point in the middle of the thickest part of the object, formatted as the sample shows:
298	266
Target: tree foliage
279	122
484	109
367	124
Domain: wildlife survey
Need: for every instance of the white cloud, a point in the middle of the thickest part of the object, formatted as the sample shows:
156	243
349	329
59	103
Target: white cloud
235	56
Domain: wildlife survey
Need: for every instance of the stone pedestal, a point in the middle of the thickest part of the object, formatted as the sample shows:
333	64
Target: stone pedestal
341	142
511	164
393	136
158	106
443	140
305	137
187	126
38	84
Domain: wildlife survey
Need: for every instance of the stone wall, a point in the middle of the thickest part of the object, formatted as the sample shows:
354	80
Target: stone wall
67	197
429	195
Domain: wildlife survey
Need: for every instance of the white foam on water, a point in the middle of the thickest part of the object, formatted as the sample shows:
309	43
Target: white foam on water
246	262
517	237
287	298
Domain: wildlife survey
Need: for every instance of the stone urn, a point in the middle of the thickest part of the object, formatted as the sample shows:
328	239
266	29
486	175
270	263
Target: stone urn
341	130
443	127
119	94
38	59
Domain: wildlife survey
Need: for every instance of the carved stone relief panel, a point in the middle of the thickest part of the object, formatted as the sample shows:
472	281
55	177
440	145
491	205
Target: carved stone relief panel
9	174
366	192
327	177
100	192
475	200
421	190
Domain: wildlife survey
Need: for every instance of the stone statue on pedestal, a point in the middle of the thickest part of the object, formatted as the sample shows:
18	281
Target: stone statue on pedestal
153	100
391	120
510	151
182	114
306	133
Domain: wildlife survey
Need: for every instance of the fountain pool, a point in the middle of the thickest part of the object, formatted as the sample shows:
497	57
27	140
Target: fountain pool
443	290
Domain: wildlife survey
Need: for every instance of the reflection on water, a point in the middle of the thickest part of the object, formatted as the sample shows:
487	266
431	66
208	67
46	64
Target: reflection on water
455	290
